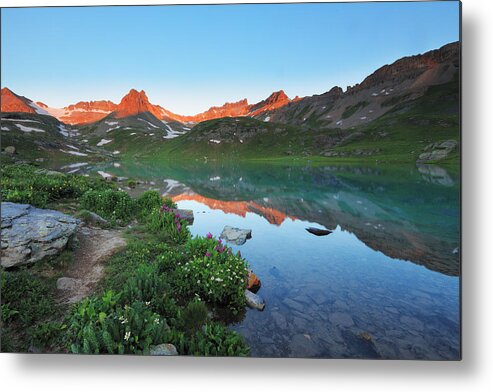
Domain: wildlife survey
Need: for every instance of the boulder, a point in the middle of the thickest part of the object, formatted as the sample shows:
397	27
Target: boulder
437	151
254	301
235	236
10	150
187	215
165	349
32	234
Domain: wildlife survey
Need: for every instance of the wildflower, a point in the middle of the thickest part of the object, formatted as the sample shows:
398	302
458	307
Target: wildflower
207	254
178	226
148	303
156	321
218	280
230	251
209	235
219	241
127	336
124	321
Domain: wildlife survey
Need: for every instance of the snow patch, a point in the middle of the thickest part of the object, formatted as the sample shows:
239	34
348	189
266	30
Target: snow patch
111	122
215	141
72	147
20	120
79	154
133	133
152	125
28	129
5	129
75	165
37	109
102	142
105	175
116	152
339	122
112	129
172	133
216	178
267	119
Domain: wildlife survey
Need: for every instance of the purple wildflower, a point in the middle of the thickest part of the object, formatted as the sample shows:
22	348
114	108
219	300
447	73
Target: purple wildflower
209	235
207	254
178	226
219	241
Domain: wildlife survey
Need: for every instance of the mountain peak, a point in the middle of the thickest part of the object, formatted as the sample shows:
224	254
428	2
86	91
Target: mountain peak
11	102
133	103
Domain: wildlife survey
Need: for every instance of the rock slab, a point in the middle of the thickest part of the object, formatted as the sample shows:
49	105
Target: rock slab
235	235
32	234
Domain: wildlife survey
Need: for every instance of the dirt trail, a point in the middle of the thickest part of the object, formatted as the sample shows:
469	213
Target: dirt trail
81	277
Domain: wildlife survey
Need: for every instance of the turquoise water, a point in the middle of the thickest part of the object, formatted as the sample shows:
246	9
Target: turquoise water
383	284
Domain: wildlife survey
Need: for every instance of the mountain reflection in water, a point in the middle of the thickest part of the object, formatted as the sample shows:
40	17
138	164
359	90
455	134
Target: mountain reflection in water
367	277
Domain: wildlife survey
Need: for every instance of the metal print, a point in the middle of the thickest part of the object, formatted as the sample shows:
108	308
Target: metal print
264	180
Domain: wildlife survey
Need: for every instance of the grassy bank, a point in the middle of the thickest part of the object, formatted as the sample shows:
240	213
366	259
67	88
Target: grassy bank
165	287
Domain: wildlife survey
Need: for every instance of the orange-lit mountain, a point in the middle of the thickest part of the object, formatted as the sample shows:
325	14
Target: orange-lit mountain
234	109
134	103
240	208
12	102
274	101
81	112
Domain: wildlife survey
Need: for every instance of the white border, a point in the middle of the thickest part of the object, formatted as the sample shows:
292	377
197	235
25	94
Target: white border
474	373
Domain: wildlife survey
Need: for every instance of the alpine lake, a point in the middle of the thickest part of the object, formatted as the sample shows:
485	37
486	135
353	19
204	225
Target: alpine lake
385	283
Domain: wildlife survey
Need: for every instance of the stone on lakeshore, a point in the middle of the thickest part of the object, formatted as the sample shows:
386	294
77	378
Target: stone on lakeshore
235	235
186	215
253	283
32	234
254	301
163	350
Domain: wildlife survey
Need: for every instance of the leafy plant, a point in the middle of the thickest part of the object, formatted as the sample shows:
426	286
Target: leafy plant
103	325
170	222
216	340
110	204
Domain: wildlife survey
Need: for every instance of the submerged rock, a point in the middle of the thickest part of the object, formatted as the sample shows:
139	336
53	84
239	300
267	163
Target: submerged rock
254	301
318	232
235	235
31	234
163	350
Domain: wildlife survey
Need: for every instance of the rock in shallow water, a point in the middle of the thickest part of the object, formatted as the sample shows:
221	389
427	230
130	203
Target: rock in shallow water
31	234
235	235
254	301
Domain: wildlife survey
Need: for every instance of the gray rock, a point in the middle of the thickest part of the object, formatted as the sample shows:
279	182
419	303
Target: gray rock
235	236
10	150
31	234
437	151
165	349
65	283
95	218
187	215
254	301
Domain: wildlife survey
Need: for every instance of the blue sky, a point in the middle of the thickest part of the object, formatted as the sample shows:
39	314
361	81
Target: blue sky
188	58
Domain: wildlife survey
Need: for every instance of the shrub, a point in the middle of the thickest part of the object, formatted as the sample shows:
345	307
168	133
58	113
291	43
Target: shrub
147	202
103	325
194	316
28	184
26	299
217	340
213	273
169	222
110	204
